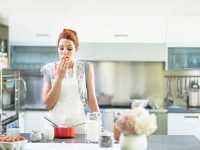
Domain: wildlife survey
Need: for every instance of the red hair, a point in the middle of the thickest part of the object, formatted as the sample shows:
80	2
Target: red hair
70	35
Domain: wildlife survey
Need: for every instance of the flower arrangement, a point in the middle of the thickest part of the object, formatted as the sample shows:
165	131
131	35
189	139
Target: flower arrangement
136	121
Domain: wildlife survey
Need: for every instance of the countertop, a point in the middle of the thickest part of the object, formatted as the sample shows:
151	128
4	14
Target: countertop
184	110
119	108
155	142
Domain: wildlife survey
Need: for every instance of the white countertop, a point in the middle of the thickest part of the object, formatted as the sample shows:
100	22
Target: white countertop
126	109
64	146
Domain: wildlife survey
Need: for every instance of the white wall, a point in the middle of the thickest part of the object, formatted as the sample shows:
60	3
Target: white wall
111	7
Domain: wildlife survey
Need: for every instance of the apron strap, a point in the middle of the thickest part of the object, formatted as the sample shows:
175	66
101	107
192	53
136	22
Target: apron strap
74	71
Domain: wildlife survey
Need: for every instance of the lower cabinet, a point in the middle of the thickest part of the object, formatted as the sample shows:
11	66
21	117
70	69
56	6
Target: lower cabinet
32	120
161	123
184	124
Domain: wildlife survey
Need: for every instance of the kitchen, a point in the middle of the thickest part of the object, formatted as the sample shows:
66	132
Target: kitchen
139	43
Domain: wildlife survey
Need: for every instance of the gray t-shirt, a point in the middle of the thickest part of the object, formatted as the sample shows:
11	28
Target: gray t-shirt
82	69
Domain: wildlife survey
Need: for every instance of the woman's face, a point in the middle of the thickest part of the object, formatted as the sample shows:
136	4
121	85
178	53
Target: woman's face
67	49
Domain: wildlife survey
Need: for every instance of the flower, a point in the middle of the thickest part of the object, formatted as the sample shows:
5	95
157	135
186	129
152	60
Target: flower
136	121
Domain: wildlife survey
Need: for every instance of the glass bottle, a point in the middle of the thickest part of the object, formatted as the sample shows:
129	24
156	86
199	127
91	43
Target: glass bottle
5	60
93	126
116	131
1	60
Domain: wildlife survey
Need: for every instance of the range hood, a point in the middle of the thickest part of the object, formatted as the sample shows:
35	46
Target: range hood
122	52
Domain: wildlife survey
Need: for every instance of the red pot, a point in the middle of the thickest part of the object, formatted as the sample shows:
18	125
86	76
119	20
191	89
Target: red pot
64	132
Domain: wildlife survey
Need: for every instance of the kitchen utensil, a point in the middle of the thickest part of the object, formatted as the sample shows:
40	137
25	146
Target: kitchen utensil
177	88
78	124
138	102
169	98
49	133
181	92
106	139
55	125
64	132
13	131
61	131
35	136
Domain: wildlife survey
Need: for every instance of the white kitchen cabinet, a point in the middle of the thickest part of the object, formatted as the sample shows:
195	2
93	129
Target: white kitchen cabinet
22	122
122	52
118	29
34	29
32	120
183	30
44	29
184	124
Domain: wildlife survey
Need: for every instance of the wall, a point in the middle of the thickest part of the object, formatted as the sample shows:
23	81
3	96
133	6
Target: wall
111	7
125	80
120	80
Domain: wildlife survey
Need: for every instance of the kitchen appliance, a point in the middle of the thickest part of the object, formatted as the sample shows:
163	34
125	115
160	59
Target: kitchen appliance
194	97
10	97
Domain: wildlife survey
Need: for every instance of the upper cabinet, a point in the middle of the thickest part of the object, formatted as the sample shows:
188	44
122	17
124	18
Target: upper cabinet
114	29
121	52
34	29
44	29
184	30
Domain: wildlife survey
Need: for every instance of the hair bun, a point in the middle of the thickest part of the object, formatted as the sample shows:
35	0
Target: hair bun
64	30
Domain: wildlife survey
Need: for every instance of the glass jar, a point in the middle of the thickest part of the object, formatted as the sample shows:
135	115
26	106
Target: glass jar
93	126
1	60
116	131
106	139
5	60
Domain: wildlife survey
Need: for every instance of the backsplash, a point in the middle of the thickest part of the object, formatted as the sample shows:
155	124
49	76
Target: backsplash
124	80
120	81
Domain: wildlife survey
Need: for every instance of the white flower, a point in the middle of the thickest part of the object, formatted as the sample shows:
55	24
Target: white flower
136	121
145	124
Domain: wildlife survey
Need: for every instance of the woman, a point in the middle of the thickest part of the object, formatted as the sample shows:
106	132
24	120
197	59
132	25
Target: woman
69	84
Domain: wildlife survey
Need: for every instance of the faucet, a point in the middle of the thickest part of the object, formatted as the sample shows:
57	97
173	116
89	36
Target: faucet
24	83
19	79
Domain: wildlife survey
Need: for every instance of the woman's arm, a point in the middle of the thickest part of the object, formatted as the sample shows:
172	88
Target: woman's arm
51	94
92	101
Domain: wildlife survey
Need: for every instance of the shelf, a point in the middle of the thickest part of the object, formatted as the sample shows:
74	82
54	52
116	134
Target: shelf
9	76
183	73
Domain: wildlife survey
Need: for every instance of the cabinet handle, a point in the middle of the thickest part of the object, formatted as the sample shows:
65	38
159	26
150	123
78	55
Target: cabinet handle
42	35
121	35
192	117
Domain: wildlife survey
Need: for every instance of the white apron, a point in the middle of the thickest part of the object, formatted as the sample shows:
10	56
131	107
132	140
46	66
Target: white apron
69	109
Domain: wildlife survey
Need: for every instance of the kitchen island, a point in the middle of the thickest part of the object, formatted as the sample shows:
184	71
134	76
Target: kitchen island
155	142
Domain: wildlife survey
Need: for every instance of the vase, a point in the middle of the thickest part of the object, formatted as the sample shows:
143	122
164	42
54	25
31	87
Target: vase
133	142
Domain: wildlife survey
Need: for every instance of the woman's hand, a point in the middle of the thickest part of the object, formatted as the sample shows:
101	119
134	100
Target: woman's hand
61	68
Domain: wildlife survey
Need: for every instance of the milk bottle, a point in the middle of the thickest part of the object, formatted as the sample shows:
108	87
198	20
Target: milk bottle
93	126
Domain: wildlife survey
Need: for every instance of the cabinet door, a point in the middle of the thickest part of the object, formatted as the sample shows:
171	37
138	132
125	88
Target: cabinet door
34	120
34	29
115	29
146	29
22	122
183	30
122	52
161	123
184	124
